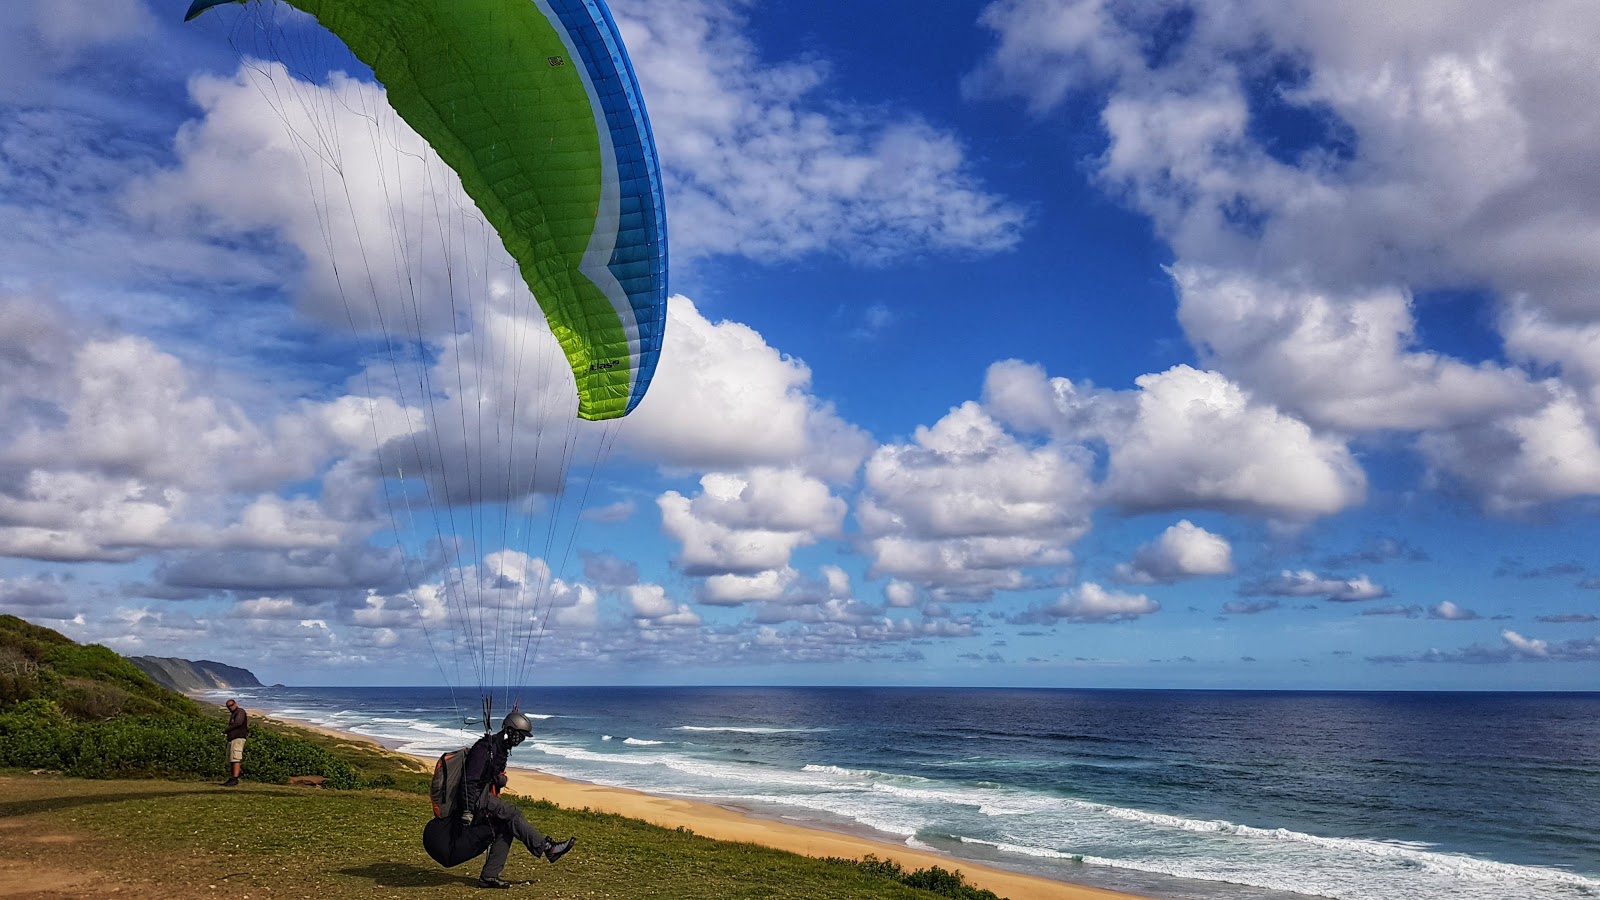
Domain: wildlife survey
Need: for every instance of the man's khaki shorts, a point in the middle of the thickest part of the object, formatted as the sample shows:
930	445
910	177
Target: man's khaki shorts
236	750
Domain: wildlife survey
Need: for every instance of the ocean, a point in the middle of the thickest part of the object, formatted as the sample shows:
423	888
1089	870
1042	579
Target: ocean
1184	795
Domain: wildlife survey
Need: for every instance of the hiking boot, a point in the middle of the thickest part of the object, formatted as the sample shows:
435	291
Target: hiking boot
493	883
554	851
231	782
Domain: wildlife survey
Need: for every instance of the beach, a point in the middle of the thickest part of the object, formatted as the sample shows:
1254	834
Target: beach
730	824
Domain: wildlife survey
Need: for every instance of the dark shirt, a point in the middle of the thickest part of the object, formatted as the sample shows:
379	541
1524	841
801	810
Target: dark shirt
486	768
238	724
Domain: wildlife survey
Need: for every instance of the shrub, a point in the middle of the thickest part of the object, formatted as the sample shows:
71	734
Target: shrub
33	735
83	699
274	757
934	880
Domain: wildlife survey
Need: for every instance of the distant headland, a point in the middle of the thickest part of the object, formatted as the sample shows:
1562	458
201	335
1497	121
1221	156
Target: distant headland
186	676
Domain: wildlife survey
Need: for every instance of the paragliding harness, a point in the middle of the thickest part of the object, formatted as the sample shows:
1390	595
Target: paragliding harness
449	785
452	836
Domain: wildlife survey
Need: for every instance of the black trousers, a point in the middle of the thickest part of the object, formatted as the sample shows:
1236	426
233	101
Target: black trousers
508	823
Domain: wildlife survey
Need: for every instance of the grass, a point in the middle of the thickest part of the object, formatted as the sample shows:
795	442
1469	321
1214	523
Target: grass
192	839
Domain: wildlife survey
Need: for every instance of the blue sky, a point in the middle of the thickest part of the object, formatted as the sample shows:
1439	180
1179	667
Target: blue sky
1028	342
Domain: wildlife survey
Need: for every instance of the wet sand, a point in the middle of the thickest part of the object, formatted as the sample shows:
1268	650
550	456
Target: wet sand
728	824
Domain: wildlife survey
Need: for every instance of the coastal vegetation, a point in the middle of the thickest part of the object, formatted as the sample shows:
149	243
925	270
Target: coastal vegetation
141	756
85	711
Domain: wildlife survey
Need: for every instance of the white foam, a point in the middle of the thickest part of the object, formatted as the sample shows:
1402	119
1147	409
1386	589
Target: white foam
866	774
750	729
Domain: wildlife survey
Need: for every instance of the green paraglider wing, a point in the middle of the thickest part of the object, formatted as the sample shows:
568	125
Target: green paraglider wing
535	106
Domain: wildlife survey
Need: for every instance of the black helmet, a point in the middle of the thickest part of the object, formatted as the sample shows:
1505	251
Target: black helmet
518	723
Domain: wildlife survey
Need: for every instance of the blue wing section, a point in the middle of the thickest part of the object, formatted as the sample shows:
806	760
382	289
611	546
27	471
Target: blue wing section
200	6
639	260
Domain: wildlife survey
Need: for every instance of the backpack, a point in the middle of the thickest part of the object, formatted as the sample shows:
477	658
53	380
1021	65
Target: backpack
449	778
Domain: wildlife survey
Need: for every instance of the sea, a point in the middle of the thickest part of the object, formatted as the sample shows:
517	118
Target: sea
1182	795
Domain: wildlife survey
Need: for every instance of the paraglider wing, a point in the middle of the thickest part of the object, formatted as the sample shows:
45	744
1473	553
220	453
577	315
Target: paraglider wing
535	106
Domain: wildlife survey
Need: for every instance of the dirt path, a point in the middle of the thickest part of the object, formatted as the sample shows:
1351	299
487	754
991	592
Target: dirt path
44	858
38	862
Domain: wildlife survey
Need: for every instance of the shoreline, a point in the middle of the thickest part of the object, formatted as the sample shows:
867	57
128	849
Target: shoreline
725	823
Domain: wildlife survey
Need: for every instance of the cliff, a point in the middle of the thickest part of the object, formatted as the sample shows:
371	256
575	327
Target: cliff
184	675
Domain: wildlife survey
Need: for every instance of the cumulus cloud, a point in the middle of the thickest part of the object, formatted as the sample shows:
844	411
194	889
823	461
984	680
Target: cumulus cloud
1024	397
1305	583
725	398
1184	550
899	593
1451	612
1185	438
1284	338
966	509
1200	440
735	590
1518	461
651	607
743	524
1089	602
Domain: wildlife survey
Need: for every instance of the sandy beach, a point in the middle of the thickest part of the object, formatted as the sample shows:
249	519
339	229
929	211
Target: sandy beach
722	823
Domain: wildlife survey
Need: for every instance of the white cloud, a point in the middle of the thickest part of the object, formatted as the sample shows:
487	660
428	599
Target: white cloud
758	164
1526	646
1451	612
1025	398
734	590
270	608
1284	338
1305	583
1089	602
650	605
1517	461
1201	441
743	524
724	398
1184	550
900	594
1185	439
573	605
965	508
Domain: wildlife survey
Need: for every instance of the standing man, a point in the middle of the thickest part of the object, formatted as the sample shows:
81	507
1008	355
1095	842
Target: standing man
485	776
238	730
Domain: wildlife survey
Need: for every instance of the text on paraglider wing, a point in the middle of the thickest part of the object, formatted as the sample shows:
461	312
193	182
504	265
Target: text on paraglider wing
603	366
